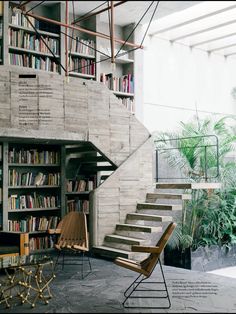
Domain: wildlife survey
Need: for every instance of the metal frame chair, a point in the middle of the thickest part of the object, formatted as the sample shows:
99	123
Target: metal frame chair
73	239
145	269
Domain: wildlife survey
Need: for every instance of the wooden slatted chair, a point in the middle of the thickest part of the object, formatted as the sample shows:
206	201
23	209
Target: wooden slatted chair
145	269
73	238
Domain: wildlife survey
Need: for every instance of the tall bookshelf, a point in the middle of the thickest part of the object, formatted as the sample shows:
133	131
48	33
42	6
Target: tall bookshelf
81	51
118	77
23	48
32	191
26	48
79	182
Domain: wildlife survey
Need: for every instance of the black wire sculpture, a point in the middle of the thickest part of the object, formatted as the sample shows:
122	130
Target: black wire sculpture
71	37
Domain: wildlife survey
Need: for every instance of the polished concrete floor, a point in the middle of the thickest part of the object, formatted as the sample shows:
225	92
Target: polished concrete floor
102	291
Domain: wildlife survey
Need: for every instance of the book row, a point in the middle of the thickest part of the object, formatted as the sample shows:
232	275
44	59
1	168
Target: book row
80	185
17	178
81	65
33	200
124	84
21	39
17	18
40	243
34	62
78	205
84	46
33	156
31	224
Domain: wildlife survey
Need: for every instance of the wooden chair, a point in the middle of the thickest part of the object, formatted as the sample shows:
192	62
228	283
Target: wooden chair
73	238
145	269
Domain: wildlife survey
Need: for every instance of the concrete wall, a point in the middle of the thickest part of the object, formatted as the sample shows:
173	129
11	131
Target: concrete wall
48	102
121	192
48	106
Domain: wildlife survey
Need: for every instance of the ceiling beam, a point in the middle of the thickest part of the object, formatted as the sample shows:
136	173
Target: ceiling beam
196	19
203	30
230	54
222	47
212	39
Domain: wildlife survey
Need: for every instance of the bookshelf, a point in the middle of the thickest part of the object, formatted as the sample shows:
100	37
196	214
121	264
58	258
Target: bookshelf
22	47
42	182
26	48
78	183
32	189
118	77
82	56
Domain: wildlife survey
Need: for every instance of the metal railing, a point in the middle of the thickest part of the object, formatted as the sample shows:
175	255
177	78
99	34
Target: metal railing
179	146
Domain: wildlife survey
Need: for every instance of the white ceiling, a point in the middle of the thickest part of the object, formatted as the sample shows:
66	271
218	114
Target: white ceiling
210	26
131	11
128	12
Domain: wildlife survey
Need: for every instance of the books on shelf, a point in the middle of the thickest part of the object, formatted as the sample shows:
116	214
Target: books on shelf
17	178
78	205
21	39
32	201
33	156
17	18
82	65
34	62
124	84
81	185
40	243
83	46
32	224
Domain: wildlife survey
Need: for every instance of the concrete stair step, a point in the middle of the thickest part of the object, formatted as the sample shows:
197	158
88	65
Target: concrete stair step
149	217
191	185
158	206
152	197
122	239
112	253
137	228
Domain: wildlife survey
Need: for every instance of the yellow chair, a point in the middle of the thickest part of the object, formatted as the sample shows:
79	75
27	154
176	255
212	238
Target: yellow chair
145	269
73	238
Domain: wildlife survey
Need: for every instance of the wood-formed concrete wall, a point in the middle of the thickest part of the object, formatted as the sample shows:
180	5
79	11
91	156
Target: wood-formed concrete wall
119	194
85	108
50	106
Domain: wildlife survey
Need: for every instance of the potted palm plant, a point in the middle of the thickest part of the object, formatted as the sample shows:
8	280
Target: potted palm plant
209	218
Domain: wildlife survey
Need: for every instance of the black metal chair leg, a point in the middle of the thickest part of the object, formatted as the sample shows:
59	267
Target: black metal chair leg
136	287
63	260
90	267
82	266
132	284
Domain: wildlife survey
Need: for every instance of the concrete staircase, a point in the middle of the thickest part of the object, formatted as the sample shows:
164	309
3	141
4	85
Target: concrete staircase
146	225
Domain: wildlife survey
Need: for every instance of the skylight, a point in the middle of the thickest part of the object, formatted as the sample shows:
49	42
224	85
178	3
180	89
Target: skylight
210	25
